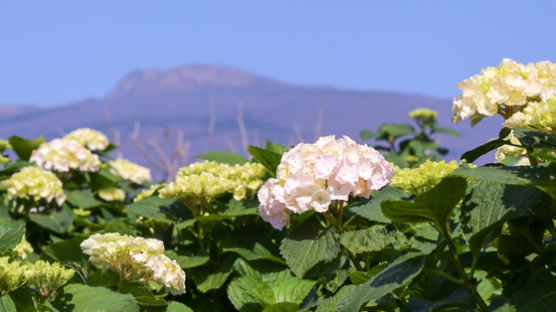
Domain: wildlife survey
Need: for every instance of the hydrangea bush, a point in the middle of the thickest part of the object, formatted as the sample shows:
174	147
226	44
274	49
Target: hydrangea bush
332	225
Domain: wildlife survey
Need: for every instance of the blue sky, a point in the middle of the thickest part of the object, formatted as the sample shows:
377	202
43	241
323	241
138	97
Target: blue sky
54	52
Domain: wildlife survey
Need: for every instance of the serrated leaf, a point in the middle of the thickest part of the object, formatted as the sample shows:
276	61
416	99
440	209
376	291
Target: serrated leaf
545	154
224	157
66	252
472	155
83	298
270	160
276	147
307	246
188	260
488	205
11	233
374	238
82	199
330	304
6	304
521	175
208	278
142	295
370	209
158	209
396	130
58	221
282	307
536	139
367	135
177	307
23	147
397	273
537	295
251	246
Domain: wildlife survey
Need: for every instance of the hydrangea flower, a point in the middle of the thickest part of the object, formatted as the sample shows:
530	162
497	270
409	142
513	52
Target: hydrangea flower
64	155
23	248
135	258
129	171
111	194
11	275
207	179
423	115
47	277
312	176
91	139
4	145
505	89
423	178
35	183
149	192
539	116
3	159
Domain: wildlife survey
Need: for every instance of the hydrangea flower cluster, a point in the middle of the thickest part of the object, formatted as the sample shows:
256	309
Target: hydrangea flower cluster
207	179
11	275
3	159
129	171
423	115
23	248
64	155
505	89
35	183
4	145
111	194
135	258
91	139
311	176
149	192
47	277
539	116
423	178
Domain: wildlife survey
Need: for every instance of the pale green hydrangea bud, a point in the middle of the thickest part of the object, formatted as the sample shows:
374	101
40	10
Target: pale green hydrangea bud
151	191
208	179
423	178
80	212
35	183
509	151
91	139
4	145
111	194
11	275
424	115
539	116
3	159
64	155
129	171
47	277
23	248
135	258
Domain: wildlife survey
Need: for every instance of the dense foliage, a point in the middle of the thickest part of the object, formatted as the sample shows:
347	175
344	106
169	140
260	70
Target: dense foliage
327	226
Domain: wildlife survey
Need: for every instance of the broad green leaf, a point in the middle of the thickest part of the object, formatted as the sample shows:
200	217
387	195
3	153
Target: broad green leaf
330	304
251	246
158	209
142	295
521	175
13	167
6	304
83	298
23	299
188	260
488	205
224	157
367	135
472	155
103	179
282	307
66	252
307	246
396	130
457	299
23	147
177	307
397	273
82	199
374	238
545	154
208	278
276	148
11	233
537	295
536	139
447	131
58	221
270	160
370	209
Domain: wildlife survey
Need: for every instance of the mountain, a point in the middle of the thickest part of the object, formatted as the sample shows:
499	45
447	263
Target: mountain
223	108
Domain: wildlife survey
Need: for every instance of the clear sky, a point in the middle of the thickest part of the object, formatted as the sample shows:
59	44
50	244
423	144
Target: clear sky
54	52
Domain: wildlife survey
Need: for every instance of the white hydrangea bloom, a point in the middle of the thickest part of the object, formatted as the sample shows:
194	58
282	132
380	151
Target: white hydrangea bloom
35	183
64	155
539	116
135	258
127	170
111	194
91	139
311	176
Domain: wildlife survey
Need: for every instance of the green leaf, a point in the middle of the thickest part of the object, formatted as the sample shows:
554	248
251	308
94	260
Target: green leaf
23	147
276	148
367	135
488	205
270	160
188	260
472	155
396	130
158	209
251	246
206	278
58	221
103	179
143	296
370	209
537	295
447	131
82	199
544	154
11	233
282	307
307	246
535	139
374	238
521	175
177	307
13	167
67	252
23	299
434	206
6	304
330	304
397	273
224	157
83	298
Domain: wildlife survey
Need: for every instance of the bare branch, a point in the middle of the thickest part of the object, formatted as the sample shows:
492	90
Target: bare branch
134	137
212	121
298	135
230	145
318	125
113	131
241	125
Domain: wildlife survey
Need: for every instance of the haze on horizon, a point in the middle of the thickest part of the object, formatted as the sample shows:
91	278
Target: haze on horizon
58	52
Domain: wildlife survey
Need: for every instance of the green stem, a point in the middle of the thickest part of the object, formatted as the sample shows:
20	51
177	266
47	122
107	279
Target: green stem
467	283
446	276
532	159
120	285
353	259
